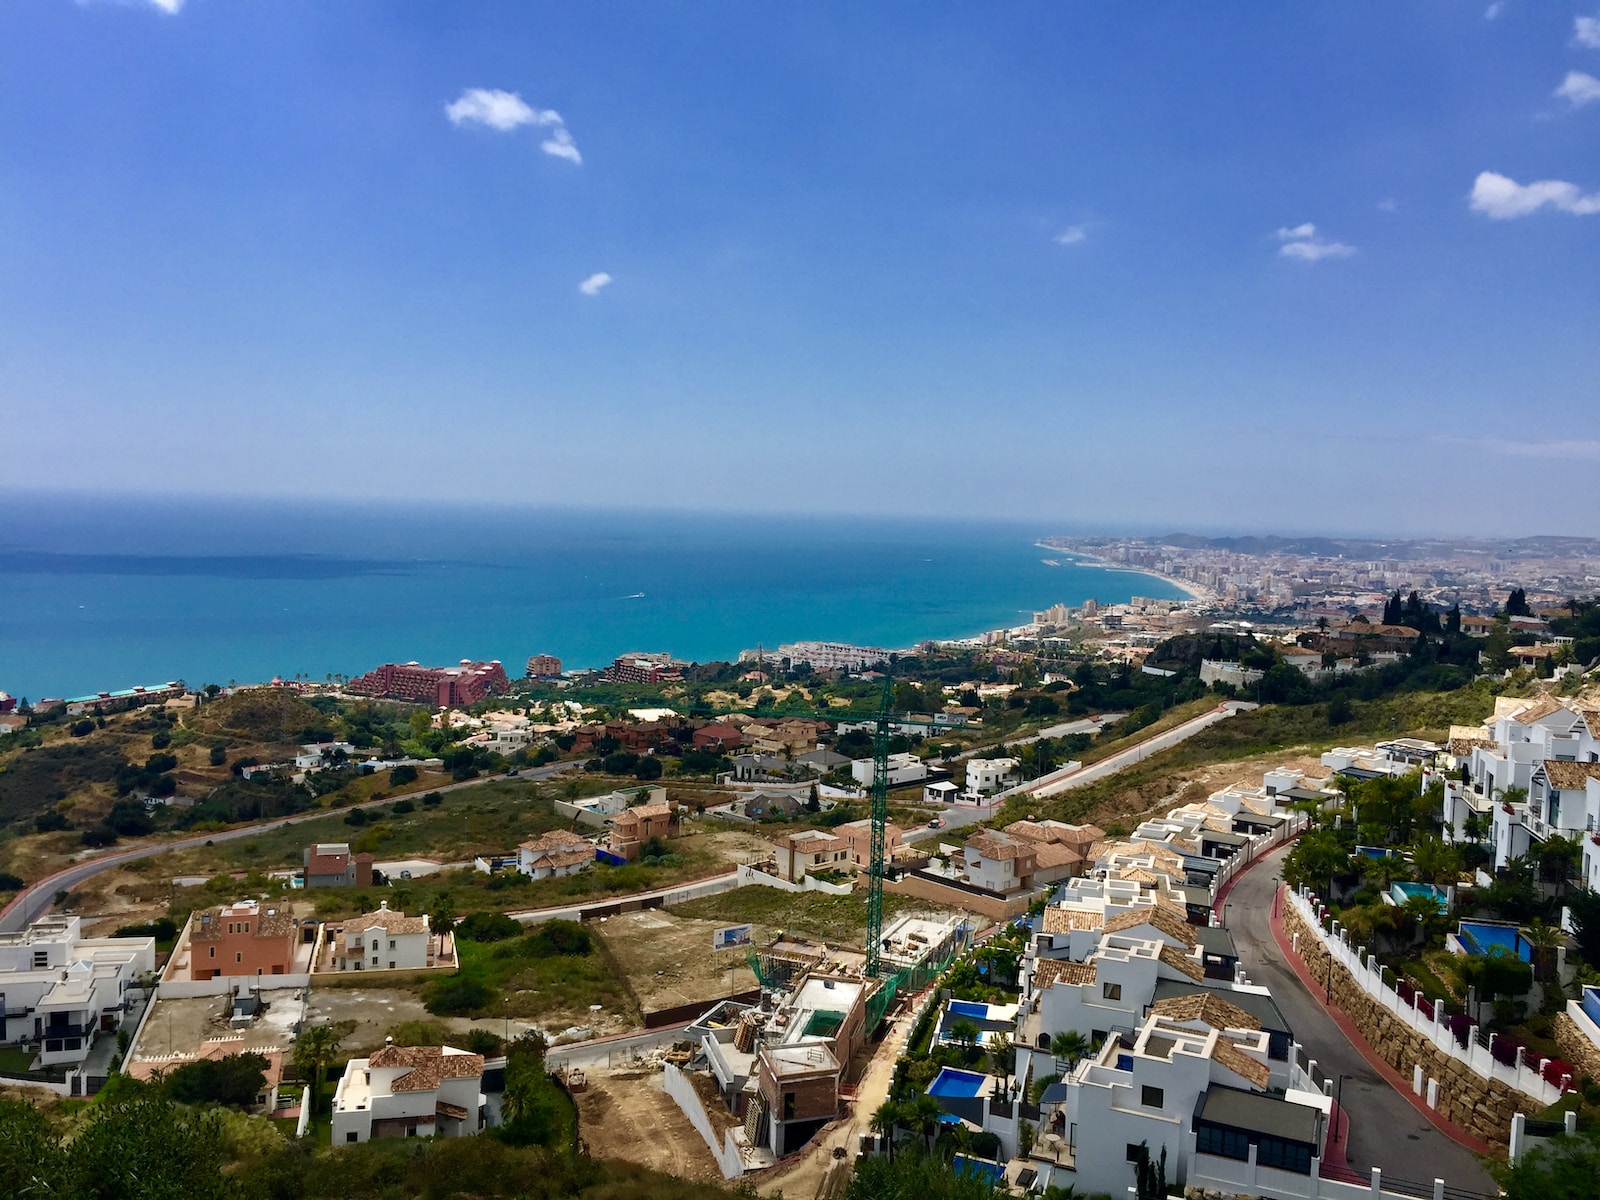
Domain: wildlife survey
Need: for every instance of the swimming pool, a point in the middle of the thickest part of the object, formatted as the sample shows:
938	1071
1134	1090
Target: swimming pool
1401	892
990	1172
969	1008
1479	937
951	1082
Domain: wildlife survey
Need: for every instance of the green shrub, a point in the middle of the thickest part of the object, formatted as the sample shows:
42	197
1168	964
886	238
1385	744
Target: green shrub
488	927
458	995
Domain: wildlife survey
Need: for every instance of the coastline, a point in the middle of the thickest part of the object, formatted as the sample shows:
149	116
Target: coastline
1193	590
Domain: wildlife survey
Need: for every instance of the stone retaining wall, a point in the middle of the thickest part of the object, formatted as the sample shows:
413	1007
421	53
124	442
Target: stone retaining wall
1482	1107
1576	1048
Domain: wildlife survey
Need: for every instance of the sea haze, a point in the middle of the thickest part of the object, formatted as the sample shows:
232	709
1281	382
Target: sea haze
103	593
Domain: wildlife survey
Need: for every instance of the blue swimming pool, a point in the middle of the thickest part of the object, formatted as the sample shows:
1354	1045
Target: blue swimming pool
1401	892
990	1172
951	1082
1479	937
969	1008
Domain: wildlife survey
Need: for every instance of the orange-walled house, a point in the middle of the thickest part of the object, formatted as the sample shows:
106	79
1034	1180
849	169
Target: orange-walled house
632	828
241	939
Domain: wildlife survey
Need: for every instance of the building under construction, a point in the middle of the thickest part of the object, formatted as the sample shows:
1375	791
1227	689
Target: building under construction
783	1063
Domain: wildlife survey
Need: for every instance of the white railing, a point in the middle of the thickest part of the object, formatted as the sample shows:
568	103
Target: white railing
1364	968
1259	845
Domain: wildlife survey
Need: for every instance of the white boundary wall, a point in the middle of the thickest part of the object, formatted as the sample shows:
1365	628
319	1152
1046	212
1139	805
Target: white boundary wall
749	875
729	1160
1261	844
1368	974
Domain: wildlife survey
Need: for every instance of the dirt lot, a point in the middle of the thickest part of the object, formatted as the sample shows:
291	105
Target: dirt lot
374	1011
1193	785
667	960
629	1116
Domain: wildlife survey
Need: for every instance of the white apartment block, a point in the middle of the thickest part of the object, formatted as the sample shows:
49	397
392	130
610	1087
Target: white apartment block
985	776
903	769
59	990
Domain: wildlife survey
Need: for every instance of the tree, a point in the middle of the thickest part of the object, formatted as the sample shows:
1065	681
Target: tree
1517	604
1583	909
922	1116
884	1120
1545	940
442	919
136	1145
1315	859
1068	1047
315	1050
234	1079
1565	1168
965	1034
403	774
1150	1178
1340	710
1436	861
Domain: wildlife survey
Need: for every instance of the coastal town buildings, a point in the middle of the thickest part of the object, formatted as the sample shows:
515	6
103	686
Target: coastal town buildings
244	939
633	827
440	687
544	666
638	667
384	940
331	864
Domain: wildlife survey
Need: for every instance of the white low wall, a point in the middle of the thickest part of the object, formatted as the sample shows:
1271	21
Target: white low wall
1368	974
222	985
1232	1178
1259	845
729	1160
749	875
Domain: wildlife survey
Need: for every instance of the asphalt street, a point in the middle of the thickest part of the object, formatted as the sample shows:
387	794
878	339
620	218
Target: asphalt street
1385	1130
34	901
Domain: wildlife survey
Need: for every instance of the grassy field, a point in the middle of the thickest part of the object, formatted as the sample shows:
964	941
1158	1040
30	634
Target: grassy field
552	988
1303	729
839	920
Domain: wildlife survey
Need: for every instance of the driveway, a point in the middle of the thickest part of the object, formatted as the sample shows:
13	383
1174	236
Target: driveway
1386	1131
1137	753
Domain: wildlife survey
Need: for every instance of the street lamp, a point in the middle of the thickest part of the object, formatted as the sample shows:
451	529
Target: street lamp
1338	1105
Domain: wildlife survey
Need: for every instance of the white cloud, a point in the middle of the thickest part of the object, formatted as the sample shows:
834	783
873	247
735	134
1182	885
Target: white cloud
1302	242
560	144
1071	235
1579	89
506	111
496	109
171	7
1494	10
1388	204
592	285
1566	449
1586	31
1504	199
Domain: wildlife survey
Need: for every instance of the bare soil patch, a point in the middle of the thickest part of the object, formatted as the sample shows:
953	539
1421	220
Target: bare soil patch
628	1115
667	960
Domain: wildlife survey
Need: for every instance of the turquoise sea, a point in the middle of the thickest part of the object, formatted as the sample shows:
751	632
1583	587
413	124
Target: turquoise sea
108	593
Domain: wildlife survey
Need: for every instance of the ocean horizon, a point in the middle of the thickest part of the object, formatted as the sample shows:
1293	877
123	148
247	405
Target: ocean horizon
105	593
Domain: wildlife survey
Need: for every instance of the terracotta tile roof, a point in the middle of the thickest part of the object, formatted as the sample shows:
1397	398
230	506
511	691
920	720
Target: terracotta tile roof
556	839
1030	830
1461	747
1570	776
1052	971
1158	917
429	1066
1139	875
1081	835
1241	1064
998	846
813	841
1177	959
263	924
1064	920
1052	854
1536	709
387	919
567	858
325	859
1208	1007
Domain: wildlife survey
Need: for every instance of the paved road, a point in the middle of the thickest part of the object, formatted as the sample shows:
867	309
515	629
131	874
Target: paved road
1385	1130
957	816
28	905
1140	752
587	1054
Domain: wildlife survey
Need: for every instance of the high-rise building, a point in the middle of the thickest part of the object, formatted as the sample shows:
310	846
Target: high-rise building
442	687
544	666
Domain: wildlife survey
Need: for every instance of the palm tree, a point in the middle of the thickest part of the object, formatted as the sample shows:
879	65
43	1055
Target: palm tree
315	1050
1070	1046
890	1113
1544	939
965	1034
922	1116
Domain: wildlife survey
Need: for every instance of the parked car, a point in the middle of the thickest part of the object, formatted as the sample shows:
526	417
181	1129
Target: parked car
936	823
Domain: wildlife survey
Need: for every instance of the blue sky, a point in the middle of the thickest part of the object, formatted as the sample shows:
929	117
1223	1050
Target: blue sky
1296	267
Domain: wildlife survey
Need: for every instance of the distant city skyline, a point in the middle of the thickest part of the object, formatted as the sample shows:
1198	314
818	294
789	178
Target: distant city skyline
1314	269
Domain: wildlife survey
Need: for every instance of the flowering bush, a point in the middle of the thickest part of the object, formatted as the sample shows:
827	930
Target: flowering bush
1555	1069
1461	1028
1505	1050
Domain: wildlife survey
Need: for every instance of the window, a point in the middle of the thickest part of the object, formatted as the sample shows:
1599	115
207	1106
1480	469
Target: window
391	943
1284	1155
391	964
1111	991
213	953
1132	1152
238	956
41	958
1224	1143
351	1136
1152	1097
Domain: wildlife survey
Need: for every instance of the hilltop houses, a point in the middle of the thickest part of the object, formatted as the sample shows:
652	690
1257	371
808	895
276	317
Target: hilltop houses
62	990
410	1091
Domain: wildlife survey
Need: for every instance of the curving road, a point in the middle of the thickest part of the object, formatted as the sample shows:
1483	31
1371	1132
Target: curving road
37	898
1385	1129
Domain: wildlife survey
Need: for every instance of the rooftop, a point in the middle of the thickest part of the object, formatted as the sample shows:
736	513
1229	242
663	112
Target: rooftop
1239	1109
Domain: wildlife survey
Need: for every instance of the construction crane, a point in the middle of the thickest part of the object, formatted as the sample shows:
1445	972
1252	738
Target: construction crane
883	722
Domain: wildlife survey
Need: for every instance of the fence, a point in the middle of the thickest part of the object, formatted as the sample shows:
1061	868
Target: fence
1259	845
729	1160
1431	1021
